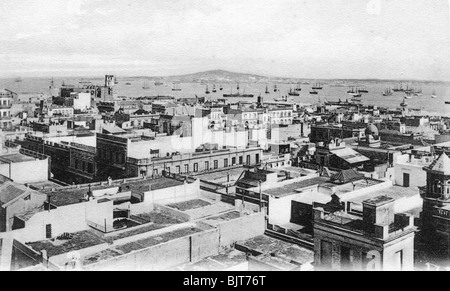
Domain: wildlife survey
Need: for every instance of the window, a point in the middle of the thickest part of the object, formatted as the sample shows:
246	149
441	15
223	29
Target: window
325	254
398	261
48	230
241	160
178	169
257	158
216	164
155	172
206	166
225	163
233	161
84	166
248	159
196	167
90	168
76	164
186	168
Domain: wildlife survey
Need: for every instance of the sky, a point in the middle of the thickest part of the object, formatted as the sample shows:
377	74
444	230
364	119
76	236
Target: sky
386	39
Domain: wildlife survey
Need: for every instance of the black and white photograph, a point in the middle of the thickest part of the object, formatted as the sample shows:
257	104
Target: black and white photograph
235	136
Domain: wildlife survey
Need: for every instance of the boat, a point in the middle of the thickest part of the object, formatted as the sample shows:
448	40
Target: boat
275	88
352	91
127	84
158	83
408	96
447	102
433	95
267	90
363	91
313	92
317	86
387	92
398	88
146	86
176	87
404	103
18	79
298	88
221	88
207	90
293	93
237	87
214	88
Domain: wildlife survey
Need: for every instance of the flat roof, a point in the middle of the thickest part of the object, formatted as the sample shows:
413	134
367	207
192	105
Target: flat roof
266	245
291	188
139	244
80	240
15	158
394	192
72	195
218	262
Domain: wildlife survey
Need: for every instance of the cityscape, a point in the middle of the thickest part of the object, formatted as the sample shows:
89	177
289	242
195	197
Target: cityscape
217	168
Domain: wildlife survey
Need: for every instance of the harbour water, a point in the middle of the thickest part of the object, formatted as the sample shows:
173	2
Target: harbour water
428	105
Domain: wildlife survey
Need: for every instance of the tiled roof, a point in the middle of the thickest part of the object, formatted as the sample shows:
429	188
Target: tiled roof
346	176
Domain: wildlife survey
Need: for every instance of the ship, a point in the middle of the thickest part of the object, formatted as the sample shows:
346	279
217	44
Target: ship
275	88
317	86
363	91
207	90
127	84
404	103
408	95
298	88
146	86
352	91
176	87
313	92
387	92
433	95
267	90
293	93
398	88
221	88
18	79
158	83
214	88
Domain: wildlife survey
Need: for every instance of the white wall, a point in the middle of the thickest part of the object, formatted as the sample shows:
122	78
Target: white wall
82	101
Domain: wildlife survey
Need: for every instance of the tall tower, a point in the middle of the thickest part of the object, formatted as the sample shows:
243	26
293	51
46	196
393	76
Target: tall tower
435	215
109	81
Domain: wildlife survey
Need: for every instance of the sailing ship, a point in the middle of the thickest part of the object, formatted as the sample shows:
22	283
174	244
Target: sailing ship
433	95
298	88
207	90
18	79
237	86
293	93
404	103
313	92
398	88
363	91
387	92
128	84
158	83
267	90
146	86
408	95
176	87
317	86
352	91
214	88
275	88
221	88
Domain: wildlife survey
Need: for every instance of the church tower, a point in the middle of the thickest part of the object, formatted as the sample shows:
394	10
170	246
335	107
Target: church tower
435	215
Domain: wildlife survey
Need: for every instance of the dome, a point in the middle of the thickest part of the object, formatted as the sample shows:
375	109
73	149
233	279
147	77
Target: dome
371	130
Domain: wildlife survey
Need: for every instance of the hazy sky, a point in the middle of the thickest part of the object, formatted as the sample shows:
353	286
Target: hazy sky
310	38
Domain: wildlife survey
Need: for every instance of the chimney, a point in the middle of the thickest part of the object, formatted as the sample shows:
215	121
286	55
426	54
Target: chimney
379	211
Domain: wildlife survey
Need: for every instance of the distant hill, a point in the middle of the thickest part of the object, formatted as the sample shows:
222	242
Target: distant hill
217	76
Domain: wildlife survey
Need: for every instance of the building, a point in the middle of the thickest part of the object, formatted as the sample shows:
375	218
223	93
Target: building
6	100
436	204
376	239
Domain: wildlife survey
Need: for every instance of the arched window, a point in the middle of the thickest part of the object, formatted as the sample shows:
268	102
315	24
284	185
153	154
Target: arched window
437	186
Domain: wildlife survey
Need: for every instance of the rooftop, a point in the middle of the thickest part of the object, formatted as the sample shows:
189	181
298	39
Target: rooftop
80	240
290	189
139	244
218	262
15	158
287	252
394	192
72	195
